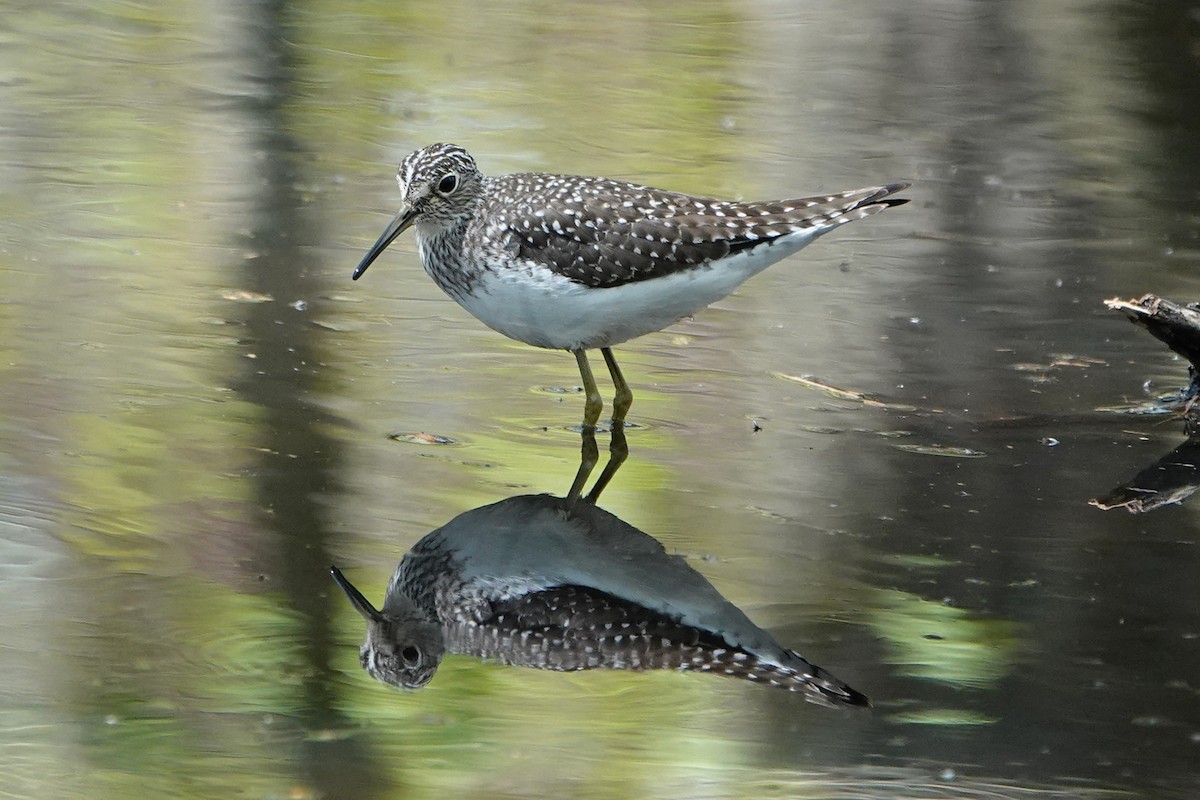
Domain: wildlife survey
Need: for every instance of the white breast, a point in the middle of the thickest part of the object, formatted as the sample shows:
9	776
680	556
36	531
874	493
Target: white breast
529	303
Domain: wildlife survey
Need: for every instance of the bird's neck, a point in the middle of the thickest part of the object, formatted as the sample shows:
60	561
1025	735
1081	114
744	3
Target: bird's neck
445	258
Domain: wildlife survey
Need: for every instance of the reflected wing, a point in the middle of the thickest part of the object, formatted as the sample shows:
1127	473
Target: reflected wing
575	628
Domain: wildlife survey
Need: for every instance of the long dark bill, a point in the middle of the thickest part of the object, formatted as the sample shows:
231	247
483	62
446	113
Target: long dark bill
396	227
360	603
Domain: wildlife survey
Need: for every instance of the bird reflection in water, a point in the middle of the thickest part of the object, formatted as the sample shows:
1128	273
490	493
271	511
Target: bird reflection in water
543	581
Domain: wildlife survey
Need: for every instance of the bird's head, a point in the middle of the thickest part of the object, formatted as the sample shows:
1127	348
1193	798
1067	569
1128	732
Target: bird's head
439	185
402	649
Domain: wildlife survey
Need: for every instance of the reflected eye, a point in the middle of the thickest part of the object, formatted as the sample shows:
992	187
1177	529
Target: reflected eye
410	655
448	184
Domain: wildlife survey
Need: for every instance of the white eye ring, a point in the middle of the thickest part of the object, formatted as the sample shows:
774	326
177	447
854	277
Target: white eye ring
448	184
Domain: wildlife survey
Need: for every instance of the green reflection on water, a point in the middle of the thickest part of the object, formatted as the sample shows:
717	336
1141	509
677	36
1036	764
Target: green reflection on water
938	642
147	483
170	688
419	71
941	716
485	730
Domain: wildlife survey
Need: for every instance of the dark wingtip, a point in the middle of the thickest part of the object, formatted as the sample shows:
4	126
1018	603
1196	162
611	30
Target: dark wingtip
881	197
831	690
853	697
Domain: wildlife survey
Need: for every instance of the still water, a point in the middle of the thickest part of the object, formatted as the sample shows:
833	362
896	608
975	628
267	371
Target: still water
199	412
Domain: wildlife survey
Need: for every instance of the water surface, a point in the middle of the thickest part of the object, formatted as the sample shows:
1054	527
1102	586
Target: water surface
196	402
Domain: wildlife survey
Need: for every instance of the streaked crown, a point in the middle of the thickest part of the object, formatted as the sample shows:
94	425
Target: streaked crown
440	182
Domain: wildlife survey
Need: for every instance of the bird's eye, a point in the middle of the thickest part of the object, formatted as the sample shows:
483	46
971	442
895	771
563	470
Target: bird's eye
410	655
448	184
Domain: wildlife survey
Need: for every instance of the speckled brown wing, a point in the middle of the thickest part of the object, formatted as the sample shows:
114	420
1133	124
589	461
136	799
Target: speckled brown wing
604	233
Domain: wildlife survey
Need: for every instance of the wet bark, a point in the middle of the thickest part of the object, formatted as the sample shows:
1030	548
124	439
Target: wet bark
1175	476
1177	326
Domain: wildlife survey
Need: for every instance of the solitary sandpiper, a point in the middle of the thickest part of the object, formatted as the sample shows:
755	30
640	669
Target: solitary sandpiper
576	263
527	583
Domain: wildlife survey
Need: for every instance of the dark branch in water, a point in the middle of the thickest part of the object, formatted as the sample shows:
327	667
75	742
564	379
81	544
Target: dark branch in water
1175	476
1177	326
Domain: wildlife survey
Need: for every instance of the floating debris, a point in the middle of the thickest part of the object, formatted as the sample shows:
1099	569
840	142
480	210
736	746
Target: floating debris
559	389
336	327
243	296
421	438
945	451
849	394
1071	360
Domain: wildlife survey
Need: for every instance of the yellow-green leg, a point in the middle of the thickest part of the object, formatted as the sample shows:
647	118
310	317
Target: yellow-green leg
593	404
588	456
618	451
623	398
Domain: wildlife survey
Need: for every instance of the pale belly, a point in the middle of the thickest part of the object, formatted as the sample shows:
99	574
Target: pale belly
547	310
